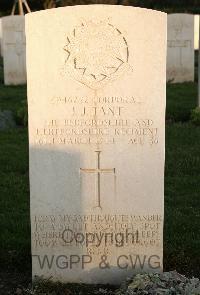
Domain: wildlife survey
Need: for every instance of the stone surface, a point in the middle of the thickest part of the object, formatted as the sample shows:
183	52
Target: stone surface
96	95
14	48
196	32
180	52
1	47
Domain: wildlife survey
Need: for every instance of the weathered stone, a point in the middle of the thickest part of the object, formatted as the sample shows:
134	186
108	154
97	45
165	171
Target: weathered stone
96	95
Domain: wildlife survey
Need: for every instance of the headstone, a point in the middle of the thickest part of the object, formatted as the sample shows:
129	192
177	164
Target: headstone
1	47
96	95
180	53
196	32
14	48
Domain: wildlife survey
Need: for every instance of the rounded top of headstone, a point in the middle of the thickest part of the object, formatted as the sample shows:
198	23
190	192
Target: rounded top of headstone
96	49
95	7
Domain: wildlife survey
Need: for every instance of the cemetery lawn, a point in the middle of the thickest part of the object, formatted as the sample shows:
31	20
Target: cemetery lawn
182	191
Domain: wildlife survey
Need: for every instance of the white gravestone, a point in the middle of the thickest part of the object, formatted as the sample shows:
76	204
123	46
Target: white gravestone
196	32
180	51
14	48
1	47
96	95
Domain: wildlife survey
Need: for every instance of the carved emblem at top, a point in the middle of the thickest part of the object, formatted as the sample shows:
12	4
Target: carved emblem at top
96	53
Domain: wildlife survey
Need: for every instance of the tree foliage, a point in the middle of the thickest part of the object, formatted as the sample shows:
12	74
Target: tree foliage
6	5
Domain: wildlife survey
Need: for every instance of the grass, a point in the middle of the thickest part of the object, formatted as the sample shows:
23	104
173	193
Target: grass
14	201
10	96
181	99
182	199
182	178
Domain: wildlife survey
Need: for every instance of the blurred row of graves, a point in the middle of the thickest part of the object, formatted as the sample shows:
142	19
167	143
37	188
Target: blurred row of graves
13	42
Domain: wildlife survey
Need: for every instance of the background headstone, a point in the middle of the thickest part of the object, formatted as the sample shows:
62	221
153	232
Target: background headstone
196	32
14	48
6	120
180	52
96	95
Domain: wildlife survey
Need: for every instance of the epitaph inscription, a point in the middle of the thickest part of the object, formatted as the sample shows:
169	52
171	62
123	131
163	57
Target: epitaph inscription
96	137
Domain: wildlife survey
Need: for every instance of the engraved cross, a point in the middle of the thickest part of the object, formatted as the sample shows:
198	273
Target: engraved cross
98	171
19	44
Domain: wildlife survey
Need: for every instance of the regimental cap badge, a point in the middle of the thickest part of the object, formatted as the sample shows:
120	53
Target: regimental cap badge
96	53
